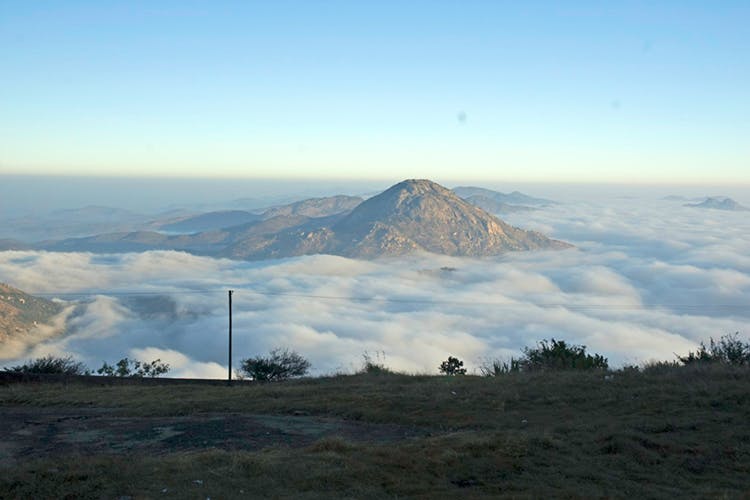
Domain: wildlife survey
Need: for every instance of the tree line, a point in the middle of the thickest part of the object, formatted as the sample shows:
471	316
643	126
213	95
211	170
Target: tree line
284	364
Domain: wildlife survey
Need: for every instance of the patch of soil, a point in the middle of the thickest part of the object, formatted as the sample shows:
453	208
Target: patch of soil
28	433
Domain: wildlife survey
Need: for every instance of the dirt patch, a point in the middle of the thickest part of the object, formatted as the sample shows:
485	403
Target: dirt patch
29	433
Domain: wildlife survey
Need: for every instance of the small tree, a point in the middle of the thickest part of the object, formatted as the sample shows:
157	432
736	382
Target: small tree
281	364
558	355
51	364
374	363
728	350
452	366
547	355
134	368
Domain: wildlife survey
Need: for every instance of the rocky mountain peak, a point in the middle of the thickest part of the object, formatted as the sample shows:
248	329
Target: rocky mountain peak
413	199
418	214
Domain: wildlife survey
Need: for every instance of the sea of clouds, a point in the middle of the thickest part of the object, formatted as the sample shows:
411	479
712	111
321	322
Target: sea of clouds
647	279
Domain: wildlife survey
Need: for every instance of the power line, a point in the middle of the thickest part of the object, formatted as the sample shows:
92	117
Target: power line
107	293
396	300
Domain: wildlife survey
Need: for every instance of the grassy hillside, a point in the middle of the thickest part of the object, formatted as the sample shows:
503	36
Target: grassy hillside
663	433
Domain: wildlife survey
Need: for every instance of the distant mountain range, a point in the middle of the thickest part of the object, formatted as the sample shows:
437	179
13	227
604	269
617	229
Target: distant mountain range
414	215
93	213
79	222
493	206
514	199
20	312
8	244
209	221
719	203
313	207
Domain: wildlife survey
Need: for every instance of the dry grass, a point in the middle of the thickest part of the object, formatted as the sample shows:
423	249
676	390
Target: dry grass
677	432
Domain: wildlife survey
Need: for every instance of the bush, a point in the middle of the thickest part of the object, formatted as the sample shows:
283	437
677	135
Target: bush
133	368
728	350
558	355
548	355
659	367
452	366
281	364
51	364
496	367
374	363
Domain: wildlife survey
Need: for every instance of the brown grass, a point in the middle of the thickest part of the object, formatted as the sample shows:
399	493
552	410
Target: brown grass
680	432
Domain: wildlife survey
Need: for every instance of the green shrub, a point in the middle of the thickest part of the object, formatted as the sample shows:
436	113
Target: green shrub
558	355
547	355
133	368
51	364
281	364
452	366
659	367
728	350
496	367
374	364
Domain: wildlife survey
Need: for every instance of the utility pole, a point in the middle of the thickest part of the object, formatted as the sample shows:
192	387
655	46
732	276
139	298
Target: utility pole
229	377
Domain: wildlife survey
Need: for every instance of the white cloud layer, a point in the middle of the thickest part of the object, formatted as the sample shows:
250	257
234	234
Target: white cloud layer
646	280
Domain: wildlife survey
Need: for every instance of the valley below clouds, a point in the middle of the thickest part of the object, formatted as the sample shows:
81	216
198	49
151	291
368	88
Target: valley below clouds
646	280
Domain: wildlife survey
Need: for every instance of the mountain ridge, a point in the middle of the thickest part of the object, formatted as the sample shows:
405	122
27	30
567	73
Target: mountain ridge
514	198
719	203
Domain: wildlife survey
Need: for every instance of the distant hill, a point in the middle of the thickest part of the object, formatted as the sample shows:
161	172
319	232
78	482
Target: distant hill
210	221
719	203
514	198
493	206
8	244
69	223
93	213
315	207
20	312
204	243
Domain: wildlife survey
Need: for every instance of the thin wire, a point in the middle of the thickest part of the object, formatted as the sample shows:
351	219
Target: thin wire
394	300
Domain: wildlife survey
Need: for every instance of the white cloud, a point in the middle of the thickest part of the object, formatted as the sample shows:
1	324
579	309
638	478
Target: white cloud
180	365
646	281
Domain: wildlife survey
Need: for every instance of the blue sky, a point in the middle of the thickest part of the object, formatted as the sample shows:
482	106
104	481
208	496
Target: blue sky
524	91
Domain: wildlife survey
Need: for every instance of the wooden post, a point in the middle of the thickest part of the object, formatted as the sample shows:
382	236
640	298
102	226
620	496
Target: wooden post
229	377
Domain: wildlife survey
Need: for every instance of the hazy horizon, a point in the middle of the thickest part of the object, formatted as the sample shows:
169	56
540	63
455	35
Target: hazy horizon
21	194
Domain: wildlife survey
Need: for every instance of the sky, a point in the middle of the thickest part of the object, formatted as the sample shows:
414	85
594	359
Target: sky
578	91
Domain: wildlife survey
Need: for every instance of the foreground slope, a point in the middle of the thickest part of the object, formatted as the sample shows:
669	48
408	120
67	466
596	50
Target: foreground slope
665	433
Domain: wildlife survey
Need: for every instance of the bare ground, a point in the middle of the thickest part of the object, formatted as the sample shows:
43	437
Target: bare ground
32	433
